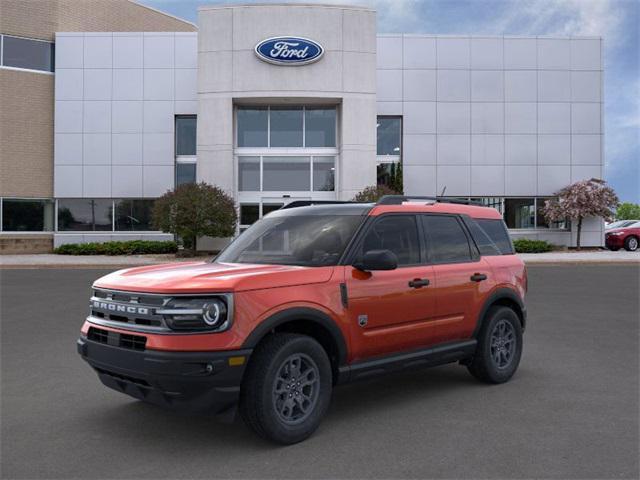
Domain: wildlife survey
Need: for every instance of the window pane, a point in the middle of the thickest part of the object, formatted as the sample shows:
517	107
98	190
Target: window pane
133	215
496	230
286	126
249	213
27	215
485	244
185	173
324	174
186	135
249	174
398	234
446	239
270	207
390	175
286	173
320	127
542	220
519	212
83	214
252	126
389	133
493	202
25	53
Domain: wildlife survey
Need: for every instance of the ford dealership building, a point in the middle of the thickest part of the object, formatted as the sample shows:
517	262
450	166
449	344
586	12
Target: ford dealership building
275	103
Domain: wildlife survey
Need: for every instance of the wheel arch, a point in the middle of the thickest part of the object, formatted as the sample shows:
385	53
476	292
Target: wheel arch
307	321
502	297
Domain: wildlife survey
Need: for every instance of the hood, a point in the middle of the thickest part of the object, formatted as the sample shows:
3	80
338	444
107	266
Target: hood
205	277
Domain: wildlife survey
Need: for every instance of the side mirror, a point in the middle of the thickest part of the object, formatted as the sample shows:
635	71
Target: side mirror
377	260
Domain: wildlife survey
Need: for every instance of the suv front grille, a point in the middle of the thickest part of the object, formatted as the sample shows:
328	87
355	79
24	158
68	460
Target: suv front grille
129	308
115	339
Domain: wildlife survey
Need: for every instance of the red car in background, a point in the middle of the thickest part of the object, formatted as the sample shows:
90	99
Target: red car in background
626	237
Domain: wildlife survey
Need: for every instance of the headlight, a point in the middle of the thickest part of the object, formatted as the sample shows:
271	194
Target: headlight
194	314
616	233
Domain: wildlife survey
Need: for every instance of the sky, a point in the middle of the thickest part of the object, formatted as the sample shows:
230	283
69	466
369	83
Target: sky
617	21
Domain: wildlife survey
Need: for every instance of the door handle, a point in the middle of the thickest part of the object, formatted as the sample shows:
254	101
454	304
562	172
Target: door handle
478	277
418	282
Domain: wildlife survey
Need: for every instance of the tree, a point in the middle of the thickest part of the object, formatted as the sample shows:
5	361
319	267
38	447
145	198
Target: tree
373	193
586	198
195	210
628	211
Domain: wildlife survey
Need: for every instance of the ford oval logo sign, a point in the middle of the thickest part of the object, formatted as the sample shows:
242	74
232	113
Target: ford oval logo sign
289	51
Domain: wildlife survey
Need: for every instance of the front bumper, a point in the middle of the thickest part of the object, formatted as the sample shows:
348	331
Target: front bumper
189	381
614	241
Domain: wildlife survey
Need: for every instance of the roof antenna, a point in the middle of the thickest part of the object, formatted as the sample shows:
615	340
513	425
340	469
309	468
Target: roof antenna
444	189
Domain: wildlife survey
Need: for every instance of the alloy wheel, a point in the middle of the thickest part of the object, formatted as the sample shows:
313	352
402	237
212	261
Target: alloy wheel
296	388
503	344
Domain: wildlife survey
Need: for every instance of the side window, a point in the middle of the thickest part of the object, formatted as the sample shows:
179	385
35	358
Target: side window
497	232
447	241
485	244
398	233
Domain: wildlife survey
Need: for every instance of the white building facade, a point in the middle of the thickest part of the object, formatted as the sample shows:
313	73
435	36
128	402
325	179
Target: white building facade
506	121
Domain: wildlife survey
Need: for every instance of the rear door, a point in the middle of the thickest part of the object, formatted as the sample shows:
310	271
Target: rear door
462	278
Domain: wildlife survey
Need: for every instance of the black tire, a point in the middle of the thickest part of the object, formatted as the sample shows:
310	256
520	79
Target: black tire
631	243
489	364
262	407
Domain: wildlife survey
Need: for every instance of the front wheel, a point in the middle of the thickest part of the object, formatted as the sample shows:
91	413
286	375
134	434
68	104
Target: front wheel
499	346
631	244
287	388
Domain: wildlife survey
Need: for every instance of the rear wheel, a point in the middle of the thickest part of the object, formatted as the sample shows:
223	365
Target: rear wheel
631	244
499	346
287	388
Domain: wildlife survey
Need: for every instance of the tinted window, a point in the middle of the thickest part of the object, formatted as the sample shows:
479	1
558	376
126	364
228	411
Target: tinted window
27	215
186	135
323	174
389	133
286	127
446	239
497	232
320	127
25	53
286	173
519	212
248	174
134	215
397	233
85	215
483	241
185	173
253	127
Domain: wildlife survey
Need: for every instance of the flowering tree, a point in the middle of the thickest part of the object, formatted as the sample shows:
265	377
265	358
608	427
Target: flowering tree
586	198
373	193
195	210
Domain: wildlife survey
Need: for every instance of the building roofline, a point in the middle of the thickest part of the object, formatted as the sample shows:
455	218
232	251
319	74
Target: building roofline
164	13
287	4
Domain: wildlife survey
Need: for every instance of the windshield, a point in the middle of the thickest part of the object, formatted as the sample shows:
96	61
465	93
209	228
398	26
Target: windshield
621	224
304	240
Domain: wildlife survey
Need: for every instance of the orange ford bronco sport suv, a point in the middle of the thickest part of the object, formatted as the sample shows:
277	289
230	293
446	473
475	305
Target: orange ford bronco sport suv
310	297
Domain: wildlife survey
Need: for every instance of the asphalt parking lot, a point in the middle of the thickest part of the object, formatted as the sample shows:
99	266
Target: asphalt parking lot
571	411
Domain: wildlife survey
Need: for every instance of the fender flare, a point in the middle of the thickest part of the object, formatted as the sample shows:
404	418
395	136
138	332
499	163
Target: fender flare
295	314
503	293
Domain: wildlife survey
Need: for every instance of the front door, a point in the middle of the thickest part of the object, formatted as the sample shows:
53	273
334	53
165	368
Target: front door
391	310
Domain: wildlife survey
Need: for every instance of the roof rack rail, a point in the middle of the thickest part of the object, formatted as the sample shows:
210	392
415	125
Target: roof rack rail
308	203
399	199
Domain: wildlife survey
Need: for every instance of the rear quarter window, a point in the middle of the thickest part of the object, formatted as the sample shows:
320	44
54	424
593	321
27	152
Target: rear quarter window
491	236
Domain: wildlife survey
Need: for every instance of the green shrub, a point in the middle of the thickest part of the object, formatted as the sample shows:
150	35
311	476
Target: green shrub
132	247
524	245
